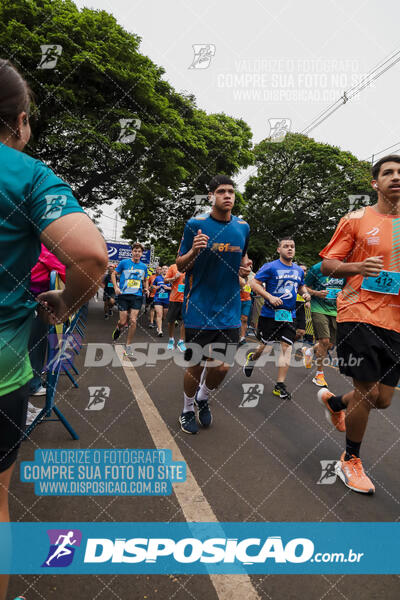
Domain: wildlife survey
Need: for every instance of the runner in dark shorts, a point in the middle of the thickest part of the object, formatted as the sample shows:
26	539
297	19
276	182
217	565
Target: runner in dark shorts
283	280
365	250
213	253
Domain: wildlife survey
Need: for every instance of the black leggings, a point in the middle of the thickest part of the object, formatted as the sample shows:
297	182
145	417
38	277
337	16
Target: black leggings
13	408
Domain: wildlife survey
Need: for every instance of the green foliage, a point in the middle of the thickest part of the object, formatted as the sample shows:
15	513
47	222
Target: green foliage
301	189
100	78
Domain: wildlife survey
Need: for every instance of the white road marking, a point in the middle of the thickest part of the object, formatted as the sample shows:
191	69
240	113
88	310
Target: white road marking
194	505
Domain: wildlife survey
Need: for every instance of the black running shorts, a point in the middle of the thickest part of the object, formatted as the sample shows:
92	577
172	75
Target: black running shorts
300	316
127	302
205	338
269	330
174	312
369	353
13	409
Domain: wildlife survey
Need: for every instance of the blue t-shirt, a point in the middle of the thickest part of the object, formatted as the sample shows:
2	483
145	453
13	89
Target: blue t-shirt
212	290
31	198
281	281
162	294
132	276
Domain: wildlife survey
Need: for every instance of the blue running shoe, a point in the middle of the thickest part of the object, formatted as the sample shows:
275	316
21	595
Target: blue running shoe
181	346
204	416
171	344
188	423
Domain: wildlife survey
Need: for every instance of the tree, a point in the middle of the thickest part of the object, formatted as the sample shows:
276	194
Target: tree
221	144
164	149
301	189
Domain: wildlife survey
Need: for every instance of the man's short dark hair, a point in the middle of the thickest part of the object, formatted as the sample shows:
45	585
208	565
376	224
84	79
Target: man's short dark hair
137	245
219	180
377	166
285	239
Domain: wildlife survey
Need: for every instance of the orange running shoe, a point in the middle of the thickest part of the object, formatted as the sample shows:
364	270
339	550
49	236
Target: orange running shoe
337	419
352	473
320	380
307	357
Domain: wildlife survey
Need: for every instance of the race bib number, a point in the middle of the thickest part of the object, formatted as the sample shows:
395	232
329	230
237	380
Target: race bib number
163	295
332	293
387	282
181	287
133	284
283	315
247	288
110	285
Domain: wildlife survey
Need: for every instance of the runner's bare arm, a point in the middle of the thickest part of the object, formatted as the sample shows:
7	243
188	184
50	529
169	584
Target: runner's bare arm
186	261
370	267
259	289
114	282
304	291
316	293
245	266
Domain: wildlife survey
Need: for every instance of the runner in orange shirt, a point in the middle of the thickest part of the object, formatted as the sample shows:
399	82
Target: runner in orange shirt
245	298
177	281
365	249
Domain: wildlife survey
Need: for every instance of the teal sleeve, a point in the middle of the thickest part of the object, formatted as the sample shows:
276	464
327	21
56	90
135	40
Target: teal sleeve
50	198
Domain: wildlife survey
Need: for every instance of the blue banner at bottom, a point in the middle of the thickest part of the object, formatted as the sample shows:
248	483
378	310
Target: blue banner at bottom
193	548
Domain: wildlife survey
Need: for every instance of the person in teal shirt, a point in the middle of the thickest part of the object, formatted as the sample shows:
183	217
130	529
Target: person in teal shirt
323	291
35	206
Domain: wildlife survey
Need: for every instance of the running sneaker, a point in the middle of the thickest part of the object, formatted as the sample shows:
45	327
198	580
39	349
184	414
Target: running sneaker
242	341
151	326
337	419
320	380
106	316
352	473
281	391
116	333
159	333
129	352
171	344
32	413
249	365
39	392
188	423
204	417
307	357
181	346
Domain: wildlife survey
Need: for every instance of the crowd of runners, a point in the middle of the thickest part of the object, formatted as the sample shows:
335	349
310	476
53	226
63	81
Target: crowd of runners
206	298
211	292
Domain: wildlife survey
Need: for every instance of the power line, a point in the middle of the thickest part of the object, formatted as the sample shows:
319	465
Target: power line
374	74
381	151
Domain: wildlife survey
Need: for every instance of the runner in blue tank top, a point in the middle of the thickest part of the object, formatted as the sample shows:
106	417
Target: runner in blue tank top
213	253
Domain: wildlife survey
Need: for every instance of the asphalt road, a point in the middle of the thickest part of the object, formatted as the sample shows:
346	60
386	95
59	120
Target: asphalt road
260	461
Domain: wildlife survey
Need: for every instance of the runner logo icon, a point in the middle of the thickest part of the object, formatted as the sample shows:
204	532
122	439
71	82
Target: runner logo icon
328	474
251	394
97	397
203	54
63	543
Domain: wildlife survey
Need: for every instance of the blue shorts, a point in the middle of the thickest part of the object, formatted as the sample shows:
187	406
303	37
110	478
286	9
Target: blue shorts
163	303
129	301
246	307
